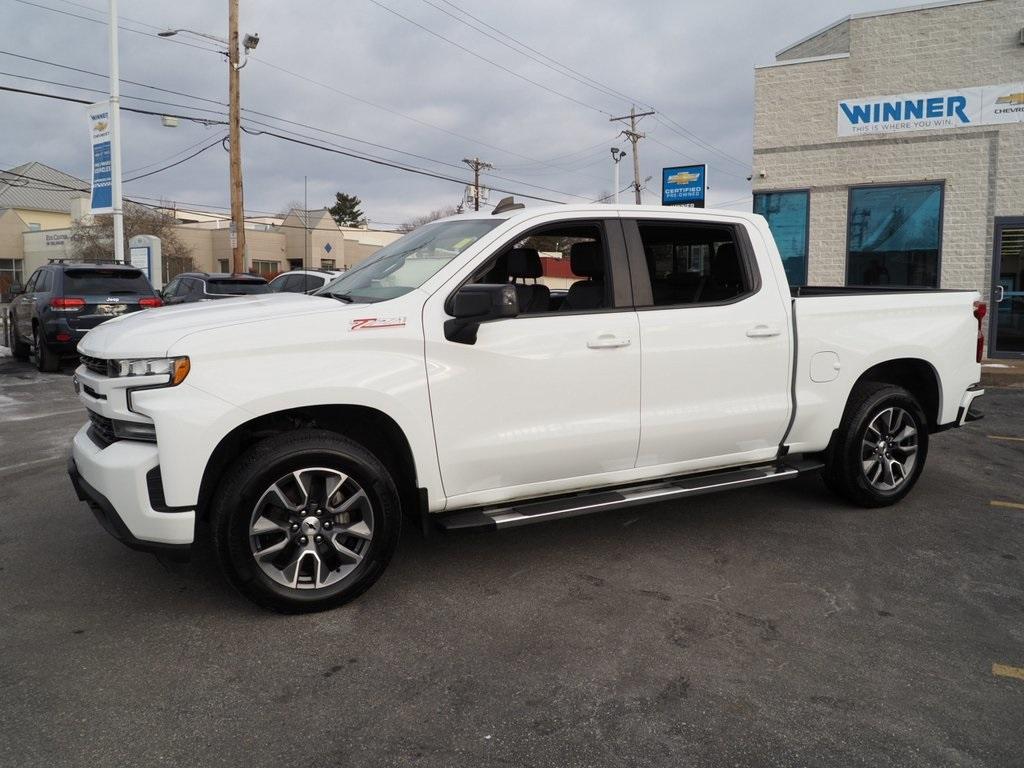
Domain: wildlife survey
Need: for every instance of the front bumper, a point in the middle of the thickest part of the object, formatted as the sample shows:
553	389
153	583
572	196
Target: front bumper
113	482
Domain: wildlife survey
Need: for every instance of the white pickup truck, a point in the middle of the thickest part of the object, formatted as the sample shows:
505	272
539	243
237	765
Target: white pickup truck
504	369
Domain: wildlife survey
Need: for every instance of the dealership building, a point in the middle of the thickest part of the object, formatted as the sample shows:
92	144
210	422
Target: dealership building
889	151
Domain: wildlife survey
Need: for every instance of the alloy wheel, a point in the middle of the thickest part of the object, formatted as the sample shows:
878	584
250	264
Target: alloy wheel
889	449
311	528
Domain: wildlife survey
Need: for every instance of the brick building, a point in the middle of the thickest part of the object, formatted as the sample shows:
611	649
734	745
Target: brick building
889	150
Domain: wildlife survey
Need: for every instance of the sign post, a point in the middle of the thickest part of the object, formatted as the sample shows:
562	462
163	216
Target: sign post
684	185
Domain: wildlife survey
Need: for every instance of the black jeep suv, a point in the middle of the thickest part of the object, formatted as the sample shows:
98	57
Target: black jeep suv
60	302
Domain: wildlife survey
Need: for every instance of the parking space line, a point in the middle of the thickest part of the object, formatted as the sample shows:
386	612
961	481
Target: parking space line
30	463
1007	438
1005	670
1006	504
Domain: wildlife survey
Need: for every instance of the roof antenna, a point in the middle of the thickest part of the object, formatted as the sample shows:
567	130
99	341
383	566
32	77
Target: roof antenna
506	204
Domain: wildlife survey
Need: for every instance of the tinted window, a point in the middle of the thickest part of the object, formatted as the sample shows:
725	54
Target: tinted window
303	283
236	287
893	235
280	283
45	281
112	281
559	267
787	215
31	284
692	264
170	289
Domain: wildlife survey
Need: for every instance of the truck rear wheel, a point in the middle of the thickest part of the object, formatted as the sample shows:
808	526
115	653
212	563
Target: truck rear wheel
879	450
305	521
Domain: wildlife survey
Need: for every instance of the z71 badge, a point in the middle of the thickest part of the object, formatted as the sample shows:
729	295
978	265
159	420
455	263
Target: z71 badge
377	322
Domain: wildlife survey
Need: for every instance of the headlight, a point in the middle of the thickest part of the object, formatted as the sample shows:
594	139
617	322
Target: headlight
174	368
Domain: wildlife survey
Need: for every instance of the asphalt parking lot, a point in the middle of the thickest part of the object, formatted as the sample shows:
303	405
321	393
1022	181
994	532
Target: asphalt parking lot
773	626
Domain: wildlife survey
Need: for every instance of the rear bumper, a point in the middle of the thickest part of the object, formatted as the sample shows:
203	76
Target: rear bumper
112	481
964	414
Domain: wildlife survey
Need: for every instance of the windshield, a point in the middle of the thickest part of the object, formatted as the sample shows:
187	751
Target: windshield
408	262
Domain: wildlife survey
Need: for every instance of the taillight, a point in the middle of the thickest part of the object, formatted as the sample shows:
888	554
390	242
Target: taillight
980	310
67	303
148	302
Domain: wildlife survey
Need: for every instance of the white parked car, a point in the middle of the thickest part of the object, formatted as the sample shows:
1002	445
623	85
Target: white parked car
303	280
444	379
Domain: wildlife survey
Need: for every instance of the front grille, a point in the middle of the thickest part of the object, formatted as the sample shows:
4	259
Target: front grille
95	364
102	430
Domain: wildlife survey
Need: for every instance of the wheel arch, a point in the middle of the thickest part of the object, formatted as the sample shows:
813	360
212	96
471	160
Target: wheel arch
915	375
375	430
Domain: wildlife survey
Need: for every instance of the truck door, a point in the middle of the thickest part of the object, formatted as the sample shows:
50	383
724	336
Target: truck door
541	400
716	345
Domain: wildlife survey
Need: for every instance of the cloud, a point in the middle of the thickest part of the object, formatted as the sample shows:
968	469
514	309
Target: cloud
694	61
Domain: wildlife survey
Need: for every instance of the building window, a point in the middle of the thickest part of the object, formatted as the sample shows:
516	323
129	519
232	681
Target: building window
894	235
788	215
225	265
10	273
265	268
327	263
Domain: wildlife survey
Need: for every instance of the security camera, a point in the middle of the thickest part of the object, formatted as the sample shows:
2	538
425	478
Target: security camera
249	42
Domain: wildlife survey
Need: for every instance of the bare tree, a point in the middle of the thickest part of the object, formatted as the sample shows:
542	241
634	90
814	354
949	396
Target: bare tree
95	242
426	218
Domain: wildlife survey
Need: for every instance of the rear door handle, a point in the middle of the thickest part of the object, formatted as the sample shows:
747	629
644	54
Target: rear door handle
608	341
762	331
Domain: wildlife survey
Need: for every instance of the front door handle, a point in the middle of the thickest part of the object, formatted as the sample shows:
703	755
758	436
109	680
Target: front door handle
608	341
763	331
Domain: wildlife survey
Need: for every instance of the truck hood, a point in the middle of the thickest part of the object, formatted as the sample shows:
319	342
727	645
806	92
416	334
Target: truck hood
152	332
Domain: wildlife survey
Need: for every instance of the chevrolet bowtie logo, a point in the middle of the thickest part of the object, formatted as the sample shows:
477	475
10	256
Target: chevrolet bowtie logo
683	177
1016	99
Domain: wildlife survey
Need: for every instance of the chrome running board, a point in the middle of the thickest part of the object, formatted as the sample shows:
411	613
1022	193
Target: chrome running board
556	508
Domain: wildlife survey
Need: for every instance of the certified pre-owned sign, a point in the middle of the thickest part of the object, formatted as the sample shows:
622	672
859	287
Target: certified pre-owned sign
953	108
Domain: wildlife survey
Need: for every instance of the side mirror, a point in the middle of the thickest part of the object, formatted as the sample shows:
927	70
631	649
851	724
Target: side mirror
474	304
17	288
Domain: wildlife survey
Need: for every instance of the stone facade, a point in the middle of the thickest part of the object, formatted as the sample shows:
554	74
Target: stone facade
928	48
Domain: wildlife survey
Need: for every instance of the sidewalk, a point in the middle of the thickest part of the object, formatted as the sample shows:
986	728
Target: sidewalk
1002	373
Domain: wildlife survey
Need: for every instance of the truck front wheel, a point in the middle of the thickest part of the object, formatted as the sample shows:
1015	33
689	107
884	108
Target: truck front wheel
879	450
305	521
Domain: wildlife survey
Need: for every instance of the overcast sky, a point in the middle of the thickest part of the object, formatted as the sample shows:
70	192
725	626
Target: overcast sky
692	60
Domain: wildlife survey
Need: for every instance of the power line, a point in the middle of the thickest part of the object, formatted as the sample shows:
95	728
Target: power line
170	157
178	162
596	84
571	74
314	128
119	26
264	62
493	63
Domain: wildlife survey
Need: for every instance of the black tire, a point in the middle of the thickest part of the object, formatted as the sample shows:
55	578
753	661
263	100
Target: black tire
248	480
47	361
845	469
19	349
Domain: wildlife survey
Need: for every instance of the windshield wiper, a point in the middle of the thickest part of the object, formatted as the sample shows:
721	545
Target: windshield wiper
346	297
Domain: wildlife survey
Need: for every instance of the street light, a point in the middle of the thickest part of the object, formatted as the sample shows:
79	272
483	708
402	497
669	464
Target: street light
231	45
617	155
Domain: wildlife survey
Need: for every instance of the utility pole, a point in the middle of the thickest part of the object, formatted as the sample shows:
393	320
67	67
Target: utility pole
634	137
477	165
235	143
115	145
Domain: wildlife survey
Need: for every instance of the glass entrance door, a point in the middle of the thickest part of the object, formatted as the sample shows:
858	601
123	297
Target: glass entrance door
1007	335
